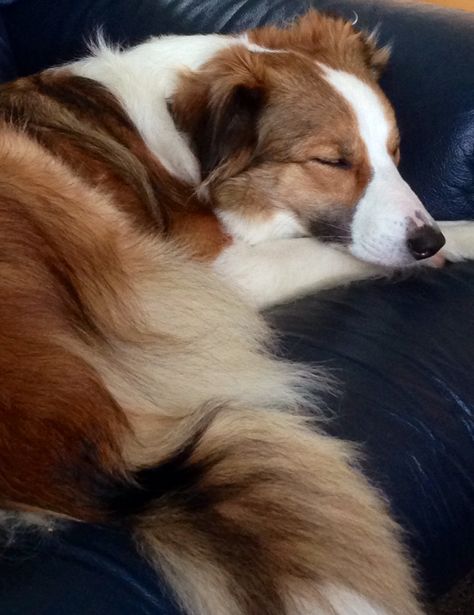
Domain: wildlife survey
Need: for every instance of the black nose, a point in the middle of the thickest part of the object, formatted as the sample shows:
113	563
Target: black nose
425	241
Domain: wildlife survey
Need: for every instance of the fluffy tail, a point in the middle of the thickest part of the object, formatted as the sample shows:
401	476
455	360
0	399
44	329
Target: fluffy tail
259	515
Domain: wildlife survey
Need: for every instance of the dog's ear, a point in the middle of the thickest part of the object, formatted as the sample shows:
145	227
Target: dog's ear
218	108
229	128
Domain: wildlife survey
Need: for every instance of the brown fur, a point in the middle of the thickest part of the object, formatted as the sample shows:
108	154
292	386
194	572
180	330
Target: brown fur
332	40
136	389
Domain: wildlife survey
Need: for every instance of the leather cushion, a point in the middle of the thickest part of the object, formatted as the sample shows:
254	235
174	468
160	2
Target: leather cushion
403	353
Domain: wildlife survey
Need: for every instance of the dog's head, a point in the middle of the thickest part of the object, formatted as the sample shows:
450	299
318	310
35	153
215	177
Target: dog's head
295	137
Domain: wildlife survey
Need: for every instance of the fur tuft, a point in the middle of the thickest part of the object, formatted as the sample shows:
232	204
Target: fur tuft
243	527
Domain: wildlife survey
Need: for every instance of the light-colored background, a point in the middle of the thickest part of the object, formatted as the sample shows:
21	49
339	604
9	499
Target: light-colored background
467	5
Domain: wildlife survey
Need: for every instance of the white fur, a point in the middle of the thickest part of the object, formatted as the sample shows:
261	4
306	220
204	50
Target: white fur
274	271
459	240
144	78
281	225
389	206
336	600
345	601
244	39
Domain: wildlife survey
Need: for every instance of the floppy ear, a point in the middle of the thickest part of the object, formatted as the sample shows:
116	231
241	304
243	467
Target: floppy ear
218	109
229	128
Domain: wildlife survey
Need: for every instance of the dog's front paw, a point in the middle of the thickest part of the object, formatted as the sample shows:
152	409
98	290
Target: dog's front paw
459	242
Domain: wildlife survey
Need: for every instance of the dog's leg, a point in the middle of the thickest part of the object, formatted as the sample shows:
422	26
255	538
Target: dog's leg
459	240
276	271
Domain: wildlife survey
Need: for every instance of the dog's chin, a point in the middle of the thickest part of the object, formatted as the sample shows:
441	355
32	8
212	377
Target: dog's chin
393	257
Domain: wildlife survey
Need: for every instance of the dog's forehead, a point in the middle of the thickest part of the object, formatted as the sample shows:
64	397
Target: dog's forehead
315	93
301	84
365	98
304	104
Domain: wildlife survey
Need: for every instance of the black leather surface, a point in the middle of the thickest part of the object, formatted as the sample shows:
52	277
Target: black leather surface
7	67
87	570
403	352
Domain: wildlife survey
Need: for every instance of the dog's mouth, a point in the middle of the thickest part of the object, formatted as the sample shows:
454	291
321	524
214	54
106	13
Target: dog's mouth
334	227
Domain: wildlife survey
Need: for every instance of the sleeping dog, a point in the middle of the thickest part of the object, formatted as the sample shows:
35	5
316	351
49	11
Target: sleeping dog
152	200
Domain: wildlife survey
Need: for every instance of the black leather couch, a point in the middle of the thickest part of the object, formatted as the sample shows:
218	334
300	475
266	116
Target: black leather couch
403	352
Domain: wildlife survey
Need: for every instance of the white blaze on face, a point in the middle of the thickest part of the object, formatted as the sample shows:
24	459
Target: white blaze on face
389	209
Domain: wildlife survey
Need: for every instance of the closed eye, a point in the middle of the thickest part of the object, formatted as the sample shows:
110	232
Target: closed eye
339	163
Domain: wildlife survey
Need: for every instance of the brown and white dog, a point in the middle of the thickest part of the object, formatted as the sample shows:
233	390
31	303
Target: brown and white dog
137	388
